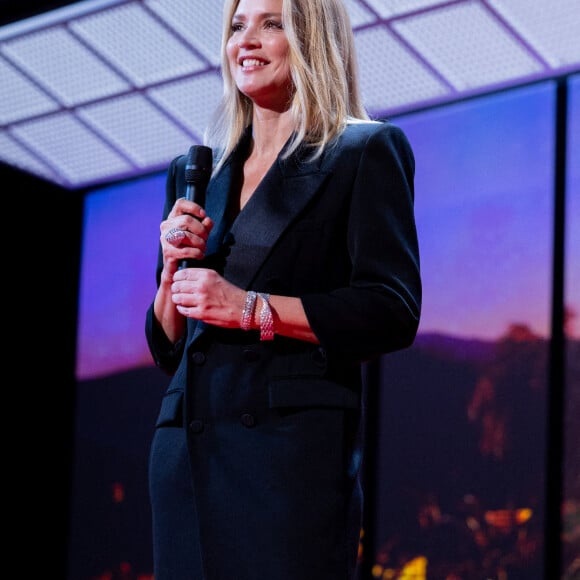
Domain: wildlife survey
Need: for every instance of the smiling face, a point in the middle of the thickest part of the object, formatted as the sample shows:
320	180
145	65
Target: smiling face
258	53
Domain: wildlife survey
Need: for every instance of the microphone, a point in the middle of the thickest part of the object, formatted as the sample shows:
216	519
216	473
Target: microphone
197	173
198	168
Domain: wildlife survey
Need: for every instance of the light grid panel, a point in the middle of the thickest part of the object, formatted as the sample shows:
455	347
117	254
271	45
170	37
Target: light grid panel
19	97
467	46
65	68
138	128
191	101
67	144
390	8
359	15
553	29
144	50
199	23
390	75
16	155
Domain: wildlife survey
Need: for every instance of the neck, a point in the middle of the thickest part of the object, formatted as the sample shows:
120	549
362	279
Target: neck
270	132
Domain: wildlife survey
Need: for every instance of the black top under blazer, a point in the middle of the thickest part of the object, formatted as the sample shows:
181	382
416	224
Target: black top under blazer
263	437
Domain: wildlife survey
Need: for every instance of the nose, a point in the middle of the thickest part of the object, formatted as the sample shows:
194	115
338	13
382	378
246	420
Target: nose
248	37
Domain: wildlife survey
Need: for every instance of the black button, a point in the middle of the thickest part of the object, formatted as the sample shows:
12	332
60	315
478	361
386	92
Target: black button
248	420
196	426
251	355
319	356
198	358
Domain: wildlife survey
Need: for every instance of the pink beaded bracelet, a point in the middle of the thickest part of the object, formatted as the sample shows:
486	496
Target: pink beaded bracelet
266	318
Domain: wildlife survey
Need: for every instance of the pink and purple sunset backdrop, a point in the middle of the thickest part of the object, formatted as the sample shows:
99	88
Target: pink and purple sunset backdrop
484	207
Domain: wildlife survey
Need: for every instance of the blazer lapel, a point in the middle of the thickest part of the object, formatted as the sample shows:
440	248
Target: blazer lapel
216	206
282	194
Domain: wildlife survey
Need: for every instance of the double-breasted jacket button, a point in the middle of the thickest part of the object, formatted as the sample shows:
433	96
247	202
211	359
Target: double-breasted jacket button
248	420
250	355
196	426
319	356
198	358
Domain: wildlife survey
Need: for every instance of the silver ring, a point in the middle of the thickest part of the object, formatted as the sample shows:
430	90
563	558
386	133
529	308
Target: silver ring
174	234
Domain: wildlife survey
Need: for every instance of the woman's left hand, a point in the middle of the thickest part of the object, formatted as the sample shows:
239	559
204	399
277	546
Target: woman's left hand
203	294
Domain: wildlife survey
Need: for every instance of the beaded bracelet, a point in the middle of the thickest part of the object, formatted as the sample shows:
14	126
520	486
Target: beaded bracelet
266	318
248	311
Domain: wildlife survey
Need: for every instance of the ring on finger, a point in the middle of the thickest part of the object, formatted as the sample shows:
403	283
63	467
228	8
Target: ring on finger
174	234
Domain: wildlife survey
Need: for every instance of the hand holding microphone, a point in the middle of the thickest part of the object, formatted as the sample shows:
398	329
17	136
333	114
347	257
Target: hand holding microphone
201	292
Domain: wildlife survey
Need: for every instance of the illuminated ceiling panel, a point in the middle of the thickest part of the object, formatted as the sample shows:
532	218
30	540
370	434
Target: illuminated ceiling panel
102	90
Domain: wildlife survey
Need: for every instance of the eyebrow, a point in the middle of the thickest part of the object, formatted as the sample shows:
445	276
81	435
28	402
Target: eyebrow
264	15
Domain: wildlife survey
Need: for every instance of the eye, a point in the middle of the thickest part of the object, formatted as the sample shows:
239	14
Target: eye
273	24
236	27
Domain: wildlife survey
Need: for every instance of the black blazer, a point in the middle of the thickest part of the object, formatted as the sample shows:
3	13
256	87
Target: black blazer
338	232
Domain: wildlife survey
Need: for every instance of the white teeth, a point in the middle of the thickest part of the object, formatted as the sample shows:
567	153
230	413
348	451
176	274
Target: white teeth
252	62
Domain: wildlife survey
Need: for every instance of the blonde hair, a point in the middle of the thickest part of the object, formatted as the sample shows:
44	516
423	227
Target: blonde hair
324	74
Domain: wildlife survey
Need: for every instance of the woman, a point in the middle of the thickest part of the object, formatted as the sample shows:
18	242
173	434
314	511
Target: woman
305	265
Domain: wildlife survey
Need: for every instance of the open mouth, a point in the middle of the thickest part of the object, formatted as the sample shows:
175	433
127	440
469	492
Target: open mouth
251	62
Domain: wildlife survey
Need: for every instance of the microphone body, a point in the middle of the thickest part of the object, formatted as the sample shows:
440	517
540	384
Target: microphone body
197	173
198	168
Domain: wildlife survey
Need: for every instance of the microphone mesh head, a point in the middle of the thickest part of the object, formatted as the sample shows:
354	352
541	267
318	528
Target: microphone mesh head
199	164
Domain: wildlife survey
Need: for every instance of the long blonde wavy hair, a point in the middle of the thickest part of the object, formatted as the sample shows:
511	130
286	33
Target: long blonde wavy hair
324	72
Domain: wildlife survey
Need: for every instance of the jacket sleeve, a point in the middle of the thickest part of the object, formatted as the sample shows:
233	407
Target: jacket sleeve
165	354
379	311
